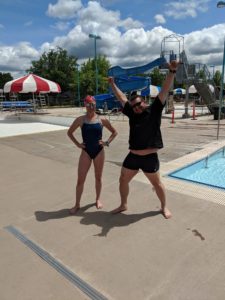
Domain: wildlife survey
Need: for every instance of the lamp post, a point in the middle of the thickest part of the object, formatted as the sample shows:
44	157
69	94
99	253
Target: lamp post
95	37
221	4
78	84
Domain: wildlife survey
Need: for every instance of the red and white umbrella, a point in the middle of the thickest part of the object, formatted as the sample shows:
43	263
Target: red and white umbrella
31	84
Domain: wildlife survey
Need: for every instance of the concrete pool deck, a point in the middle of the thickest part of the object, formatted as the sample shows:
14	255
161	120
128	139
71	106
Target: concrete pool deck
134	255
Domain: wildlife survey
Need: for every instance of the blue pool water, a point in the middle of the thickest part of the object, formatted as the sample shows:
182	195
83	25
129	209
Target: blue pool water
209	171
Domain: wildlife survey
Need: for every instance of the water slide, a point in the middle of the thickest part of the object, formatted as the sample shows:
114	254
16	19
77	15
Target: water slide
126	82
125	79
131	83
117	71
208	96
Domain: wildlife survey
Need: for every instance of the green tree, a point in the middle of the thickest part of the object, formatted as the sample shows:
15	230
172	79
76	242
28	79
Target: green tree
217	78
201	74
87	76
157	78
56	65
4	77
103	66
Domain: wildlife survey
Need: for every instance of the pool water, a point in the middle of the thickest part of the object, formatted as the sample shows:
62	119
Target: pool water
209	171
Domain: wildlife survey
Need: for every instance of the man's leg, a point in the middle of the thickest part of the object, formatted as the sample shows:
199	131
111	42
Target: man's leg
155	180
125	177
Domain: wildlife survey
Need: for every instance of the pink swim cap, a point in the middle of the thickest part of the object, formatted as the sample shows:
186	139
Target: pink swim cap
89	99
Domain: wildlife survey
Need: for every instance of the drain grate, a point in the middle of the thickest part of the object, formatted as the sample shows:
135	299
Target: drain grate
72	277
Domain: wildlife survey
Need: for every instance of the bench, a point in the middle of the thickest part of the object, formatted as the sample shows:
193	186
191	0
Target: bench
15	105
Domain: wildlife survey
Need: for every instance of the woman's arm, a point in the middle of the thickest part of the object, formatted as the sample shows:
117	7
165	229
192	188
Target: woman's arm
113	131
77	123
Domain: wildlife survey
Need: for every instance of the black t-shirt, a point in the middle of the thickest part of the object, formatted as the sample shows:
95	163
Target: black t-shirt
145	127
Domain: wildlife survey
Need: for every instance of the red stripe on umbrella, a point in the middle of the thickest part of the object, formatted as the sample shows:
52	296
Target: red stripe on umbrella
31	84
16	85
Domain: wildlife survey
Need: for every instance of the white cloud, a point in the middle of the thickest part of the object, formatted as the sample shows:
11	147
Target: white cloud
64	9
160	19
123	41
2	26
61	26
16	59
137	46
206	46
129	23
186	8
95	19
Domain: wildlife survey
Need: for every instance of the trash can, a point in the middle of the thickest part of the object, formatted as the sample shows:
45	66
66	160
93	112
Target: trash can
216	112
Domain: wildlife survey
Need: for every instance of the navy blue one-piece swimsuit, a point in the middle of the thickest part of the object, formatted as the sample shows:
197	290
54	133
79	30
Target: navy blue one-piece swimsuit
92	134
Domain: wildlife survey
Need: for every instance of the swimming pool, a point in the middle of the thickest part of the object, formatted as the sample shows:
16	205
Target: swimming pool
208	171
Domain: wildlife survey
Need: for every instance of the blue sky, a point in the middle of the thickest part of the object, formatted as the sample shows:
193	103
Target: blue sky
131	30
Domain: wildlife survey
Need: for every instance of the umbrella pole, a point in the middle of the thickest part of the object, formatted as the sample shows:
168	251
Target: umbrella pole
34	104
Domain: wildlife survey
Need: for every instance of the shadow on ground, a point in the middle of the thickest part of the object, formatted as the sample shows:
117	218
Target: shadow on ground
103	219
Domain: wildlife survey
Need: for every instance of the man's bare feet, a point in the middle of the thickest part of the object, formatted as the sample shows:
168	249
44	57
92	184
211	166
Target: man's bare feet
98	204
74	210
119	209
166	213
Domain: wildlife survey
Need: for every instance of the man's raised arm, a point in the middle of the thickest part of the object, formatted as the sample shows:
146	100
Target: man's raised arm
117	92
168	81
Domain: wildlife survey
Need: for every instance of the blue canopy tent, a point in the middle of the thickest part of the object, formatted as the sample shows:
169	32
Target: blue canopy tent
108	100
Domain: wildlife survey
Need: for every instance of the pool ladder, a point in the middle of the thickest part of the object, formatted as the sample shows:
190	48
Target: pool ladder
208	156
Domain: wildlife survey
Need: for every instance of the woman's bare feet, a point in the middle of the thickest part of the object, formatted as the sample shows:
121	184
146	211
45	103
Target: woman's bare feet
74	210
166	213
119	209
98	204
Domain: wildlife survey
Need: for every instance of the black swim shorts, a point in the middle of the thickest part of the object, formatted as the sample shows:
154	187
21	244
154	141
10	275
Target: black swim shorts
147	163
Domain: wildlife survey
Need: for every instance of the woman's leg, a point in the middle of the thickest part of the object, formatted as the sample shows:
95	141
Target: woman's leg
83	167
98	166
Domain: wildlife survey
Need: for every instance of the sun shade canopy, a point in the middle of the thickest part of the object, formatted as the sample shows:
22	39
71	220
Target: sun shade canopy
31	84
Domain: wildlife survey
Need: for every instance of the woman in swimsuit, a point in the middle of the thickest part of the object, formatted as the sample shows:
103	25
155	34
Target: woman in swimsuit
92	148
